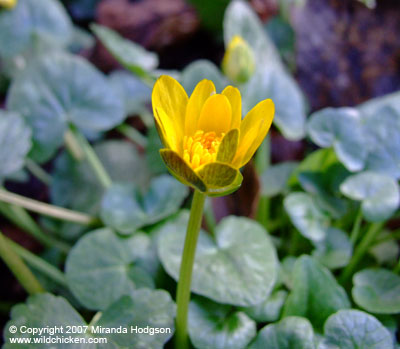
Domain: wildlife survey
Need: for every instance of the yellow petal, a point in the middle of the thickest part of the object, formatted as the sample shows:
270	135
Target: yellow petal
235	99
180	170
202	91
228	147
170	96
166	130
253	130
216	115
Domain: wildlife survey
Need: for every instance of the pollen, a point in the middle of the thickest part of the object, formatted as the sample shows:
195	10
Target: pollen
201	148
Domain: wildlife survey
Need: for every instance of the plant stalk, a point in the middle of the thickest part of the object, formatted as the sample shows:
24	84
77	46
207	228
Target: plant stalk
93	159
356	227
46	209
133	134
19	268
262	162
37	171
360	251
185	274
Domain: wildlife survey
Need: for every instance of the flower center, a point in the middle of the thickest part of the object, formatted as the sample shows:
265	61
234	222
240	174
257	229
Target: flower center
201	148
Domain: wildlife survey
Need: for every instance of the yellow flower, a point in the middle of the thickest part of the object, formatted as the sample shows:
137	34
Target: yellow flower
206	141
238	63
9	4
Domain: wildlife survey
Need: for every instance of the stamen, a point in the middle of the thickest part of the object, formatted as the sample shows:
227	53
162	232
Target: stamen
201	149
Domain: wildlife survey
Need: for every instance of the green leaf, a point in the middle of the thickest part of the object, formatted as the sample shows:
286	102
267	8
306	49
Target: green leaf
125	207
306	215
148	310
216	175
335	250
354	329
315	293
275	178
102	267
213	325
238	267
57	89
270	78
15	142
132	56
199	70
268	310
290	333
133	91
379	194
29	19
153	158
340	128
75	186
40	311
377	291
153	310
381	120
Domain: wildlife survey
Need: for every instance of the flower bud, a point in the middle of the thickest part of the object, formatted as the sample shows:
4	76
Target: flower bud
238	63
8	4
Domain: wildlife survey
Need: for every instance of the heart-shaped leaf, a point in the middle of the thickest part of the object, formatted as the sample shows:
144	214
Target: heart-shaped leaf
237	267
315	293
135	93
213	325
126	208
199	70
354	329
29	19
381	120
306	215
148	317
270	309
102	267
144	321
58	89
132	56
292	332
379	194
15	142
340	128
335	250
377	290
275	178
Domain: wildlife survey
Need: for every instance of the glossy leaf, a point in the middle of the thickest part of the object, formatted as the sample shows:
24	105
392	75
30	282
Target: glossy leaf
315	293
306	215
377	291
126	207
379	194
237	267
213	325
354	329
15	142
58	89
101	255
30	19
340	128
274	180
290	333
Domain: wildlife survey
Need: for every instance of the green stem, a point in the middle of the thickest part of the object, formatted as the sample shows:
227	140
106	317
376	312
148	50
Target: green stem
73	146
37	171
360	251
46	209
93	159
356	227
19	268
39	263
23	220
210	217
185	274
133	134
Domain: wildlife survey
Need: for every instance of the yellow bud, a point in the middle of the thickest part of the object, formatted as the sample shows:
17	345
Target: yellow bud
238	63
9	4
